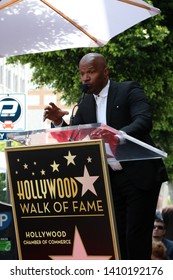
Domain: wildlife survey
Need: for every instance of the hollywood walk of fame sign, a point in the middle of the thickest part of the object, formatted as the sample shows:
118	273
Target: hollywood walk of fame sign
62	202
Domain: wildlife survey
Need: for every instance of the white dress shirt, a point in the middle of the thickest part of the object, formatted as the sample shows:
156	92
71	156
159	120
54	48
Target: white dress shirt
101	103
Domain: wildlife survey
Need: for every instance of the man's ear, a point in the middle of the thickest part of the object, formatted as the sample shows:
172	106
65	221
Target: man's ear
106	71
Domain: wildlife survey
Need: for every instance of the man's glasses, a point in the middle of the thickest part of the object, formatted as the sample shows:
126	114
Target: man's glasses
158	227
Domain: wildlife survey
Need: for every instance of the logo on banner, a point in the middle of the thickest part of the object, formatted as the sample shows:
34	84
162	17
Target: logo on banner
10	112
5	220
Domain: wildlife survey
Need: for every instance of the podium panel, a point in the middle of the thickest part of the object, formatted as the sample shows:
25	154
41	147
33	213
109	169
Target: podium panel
119	146
62	204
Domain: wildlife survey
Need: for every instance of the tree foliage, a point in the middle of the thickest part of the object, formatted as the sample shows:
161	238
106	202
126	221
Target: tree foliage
2	187
143	53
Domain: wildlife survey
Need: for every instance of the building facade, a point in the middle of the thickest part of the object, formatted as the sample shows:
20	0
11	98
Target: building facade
16	79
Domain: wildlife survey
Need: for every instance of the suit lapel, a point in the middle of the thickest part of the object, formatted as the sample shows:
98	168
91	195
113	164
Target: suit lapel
112	93
91	109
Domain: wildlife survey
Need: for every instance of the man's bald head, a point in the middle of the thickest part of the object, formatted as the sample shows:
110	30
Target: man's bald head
91	57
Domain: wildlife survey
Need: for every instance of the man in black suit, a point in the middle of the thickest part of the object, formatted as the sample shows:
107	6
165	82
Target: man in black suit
136	184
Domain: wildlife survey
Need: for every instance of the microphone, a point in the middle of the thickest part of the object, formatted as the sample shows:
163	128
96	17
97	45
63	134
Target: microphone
84	90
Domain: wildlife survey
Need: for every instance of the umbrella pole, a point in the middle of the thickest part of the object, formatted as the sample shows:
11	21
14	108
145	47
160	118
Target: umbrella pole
138	5
9	3
72	22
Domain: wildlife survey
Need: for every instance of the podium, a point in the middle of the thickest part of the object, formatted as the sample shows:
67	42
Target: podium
119	146
61	194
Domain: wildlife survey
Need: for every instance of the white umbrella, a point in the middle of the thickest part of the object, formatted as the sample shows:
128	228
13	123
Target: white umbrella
32	26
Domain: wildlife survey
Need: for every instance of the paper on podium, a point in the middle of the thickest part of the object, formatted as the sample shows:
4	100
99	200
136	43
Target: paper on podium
119	146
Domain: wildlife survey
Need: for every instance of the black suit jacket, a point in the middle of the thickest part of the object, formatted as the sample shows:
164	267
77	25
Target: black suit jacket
129	111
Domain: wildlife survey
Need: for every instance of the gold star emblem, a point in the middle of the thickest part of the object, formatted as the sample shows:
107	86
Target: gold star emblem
25	166
89	159
42	172
70	158
54	166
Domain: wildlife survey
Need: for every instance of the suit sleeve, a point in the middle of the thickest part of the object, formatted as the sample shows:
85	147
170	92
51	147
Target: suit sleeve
139	111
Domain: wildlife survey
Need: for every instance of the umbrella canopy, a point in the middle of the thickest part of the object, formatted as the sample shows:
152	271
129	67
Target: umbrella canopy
33	26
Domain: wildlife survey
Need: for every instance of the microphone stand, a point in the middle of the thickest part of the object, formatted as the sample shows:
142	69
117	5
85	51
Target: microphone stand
72	114
84	90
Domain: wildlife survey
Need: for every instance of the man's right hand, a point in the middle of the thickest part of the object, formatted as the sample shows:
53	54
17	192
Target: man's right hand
53	113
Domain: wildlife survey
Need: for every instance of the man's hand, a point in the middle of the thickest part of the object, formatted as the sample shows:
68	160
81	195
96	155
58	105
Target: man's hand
53	113
108	136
